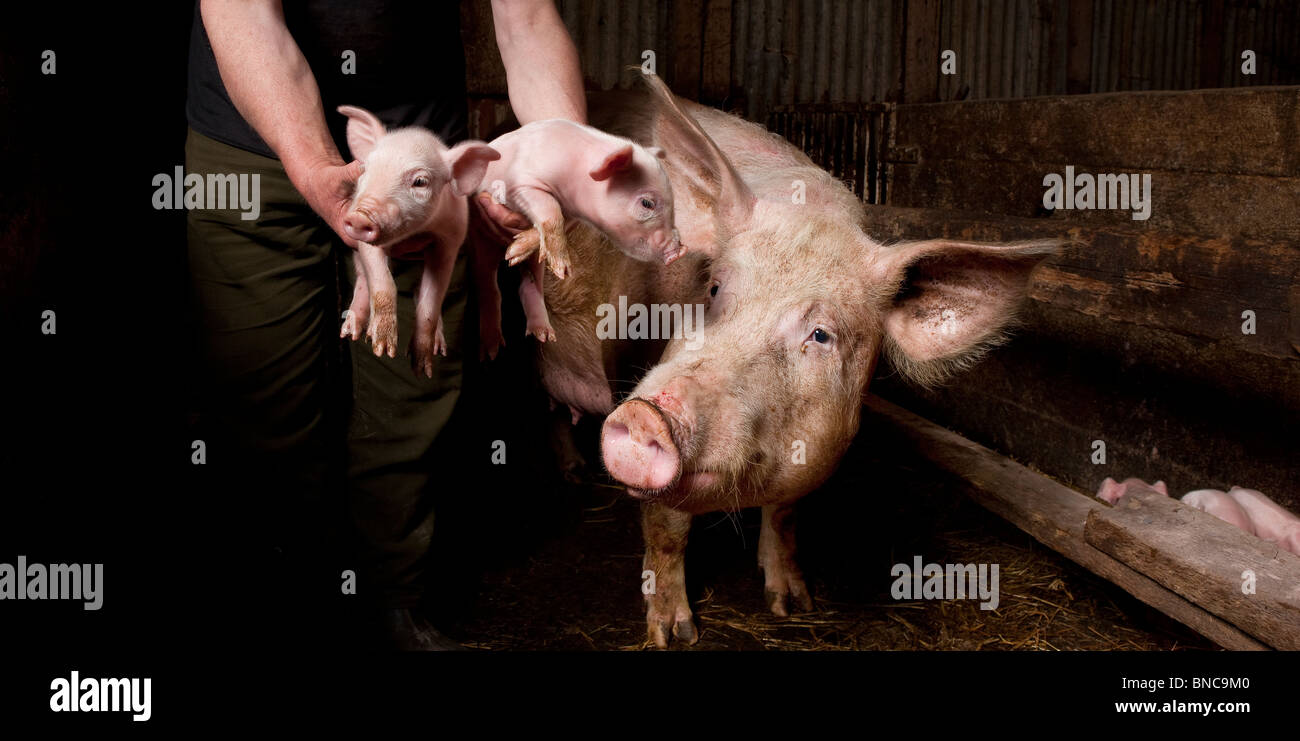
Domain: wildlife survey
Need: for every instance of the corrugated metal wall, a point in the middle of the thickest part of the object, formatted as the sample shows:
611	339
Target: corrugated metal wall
751	56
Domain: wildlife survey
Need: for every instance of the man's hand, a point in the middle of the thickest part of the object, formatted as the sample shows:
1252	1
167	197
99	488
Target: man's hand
495	221
328	190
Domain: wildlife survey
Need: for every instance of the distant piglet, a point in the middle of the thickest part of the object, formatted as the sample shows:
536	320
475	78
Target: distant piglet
1271	521
1245	509
553	169
410	198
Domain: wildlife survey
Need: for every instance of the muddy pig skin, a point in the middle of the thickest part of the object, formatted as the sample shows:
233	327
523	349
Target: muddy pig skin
409	200
1271	521
757	406
556	169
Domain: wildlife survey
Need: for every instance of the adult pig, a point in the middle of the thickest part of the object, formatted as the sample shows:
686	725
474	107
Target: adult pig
758	407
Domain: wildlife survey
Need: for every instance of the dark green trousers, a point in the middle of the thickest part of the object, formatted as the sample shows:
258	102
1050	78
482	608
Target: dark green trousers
320	442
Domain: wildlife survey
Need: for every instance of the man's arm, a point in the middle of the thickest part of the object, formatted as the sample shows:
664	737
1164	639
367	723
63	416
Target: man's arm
543	75
272	86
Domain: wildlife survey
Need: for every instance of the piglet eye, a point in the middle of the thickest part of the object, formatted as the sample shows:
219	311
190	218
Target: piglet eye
821	336
647	204
420	182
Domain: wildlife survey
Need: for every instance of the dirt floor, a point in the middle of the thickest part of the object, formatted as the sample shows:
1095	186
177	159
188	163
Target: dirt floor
570	580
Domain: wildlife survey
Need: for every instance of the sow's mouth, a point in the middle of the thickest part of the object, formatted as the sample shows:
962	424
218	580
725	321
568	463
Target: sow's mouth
640	448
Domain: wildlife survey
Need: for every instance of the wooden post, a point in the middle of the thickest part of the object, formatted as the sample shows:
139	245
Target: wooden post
1079	51
687	25
715	74
921	54
1212	43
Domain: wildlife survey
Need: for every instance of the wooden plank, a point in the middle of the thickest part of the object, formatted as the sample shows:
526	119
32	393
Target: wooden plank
921	52
1113	132
1249	206
1205	560
1051	513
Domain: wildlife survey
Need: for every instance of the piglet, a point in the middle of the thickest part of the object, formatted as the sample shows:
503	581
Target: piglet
1221	506
410	198
557	169
1110	491
1271	521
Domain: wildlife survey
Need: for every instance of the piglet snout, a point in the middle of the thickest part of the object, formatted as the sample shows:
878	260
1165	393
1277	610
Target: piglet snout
637	446
361	227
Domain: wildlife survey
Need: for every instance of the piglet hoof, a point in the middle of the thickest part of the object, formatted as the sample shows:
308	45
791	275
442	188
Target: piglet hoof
525	244
558	264
382	333
792	593
541	330
439	342
663	626
351	327
490	343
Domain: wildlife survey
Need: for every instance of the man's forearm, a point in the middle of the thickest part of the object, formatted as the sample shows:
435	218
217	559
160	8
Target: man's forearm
270	82
542	69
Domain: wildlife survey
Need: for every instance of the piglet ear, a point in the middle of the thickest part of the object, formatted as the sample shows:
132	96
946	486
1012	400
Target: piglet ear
1160	487
949	302
468	162
615	162
364	131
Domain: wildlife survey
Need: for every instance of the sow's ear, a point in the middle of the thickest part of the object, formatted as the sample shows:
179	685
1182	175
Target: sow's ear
951	301
364	131
710	199
468	162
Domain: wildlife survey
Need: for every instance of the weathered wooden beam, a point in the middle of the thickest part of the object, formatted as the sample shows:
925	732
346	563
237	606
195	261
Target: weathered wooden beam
715	82
1205	560
1154	130
687	27
921	52
1079	48
1053	514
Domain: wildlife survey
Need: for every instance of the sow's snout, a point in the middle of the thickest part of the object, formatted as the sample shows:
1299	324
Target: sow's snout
637	446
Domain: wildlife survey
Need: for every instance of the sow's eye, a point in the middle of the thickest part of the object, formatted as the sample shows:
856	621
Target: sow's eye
818	336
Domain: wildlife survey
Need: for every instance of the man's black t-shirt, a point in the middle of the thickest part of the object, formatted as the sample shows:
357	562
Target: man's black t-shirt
409	68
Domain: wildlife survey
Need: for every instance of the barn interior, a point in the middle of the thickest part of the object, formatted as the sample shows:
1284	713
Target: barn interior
1171	344
1164	348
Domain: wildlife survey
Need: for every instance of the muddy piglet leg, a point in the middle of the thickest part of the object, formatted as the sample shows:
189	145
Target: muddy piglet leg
427	340
354	321
544	212
382	328
667	609
783	583
532	296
